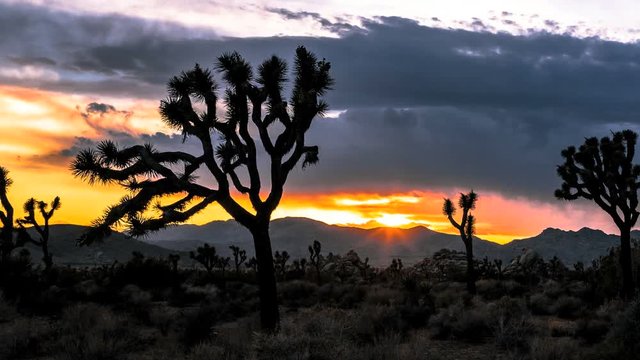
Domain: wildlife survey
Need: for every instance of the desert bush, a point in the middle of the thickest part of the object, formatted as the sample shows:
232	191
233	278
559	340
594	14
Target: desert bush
553	349
592	330
22	338
569	307
541	304
298	293
510	323
445	294
344	296
623	339
198	326
89	331
468	323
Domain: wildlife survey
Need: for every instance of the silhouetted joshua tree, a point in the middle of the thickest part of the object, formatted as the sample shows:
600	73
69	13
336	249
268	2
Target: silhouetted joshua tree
315	258
603	171
280	262
239	257
205	255
466	228
7	243
227	148
173	260
223	263
46	212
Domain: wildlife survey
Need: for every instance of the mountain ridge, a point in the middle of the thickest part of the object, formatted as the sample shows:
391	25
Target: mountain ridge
295	234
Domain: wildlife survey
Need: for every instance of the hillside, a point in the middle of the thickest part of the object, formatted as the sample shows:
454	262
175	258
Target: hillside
116	247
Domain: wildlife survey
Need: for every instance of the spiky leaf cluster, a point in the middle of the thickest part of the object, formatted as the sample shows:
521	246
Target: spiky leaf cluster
228	147
603	171
466	203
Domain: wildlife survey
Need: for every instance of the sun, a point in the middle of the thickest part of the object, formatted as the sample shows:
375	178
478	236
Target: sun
394	220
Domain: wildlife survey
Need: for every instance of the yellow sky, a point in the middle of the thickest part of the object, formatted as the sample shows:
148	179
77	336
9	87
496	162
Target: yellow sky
35	126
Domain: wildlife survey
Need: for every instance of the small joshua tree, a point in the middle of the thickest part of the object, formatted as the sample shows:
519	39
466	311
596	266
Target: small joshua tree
46	212
173	260
280	262
7	243
239	257
466	228
315	258
603	171
205	255
223	264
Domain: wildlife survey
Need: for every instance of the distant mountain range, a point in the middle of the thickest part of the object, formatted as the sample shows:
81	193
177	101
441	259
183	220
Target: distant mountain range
295	234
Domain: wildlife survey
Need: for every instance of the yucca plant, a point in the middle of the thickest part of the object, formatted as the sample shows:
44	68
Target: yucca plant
46	212
254	102
603	171
7	243
466	228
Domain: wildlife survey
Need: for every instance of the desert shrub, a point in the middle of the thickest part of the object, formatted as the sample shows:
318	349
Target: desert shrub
7	310
553	289
468	323
198	326
344	296
623	339
569	307
541	304
373	322
553	349
298	293
510	323
382	295
22	338
137	301
161	319
592	330
445	294
89	331
491	289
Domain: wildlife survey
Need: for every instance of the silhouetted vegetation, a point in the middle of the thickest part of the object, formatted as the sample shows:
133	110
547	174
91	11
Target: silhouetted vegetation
152	308
149	174
46	212
466	228
603	171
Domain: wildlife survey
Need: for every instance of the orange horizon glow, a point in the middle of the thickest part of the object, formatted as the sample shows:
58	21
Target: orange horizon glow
37	125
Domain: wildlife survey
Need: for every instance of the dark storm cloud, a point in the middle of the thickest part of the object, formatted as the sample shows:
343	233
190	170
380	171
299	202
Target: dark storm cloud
426	106
335	27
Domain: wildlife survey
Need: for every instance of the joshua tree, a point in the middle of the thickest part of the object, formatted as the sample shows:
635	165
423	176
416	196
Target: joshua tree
7	243
280	262
466	202
46	211
173	260
205	255
315	258
223	264
229	154
603	171
239	257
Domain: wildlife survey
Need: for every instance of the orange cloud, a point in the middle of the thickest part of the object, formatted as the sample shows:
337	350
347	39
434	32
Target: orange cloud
35	126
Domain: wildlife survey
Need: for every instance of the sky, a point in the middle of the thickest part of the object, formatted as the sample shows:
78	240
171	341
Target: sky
430	99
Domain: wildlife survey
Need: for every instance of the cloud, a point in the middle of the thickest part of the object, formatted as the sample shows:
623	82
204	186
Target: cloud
425	107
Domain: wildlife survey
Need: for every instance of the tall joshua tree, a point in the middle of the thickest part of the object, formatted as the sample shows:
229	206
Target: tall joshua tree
46	211
466	203
6	217
603	171
253	104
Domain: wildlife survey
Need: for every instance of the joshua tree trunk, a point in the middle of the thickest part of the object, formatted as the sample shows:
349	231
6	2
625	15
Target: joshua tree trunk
269	313
46	257
625	262
471	274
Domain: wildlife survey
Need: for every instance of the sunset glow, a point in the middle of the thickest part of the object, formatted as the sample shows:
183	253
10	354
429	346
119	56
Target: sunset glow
388	157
